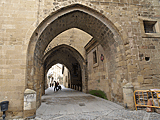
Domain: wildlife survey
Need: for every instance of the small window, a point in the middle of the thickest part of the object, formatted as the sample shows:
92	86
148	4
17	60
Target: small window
94	57
149	26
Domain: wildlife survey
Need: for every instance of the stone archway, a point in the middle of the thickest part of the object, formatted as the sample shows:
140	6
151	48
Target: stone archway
88	20
68	56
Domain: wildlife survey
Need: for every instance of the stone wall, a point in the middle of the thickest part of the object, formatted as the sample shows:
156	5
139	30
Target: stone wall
72	37
16	18
21	21
98	73
66	79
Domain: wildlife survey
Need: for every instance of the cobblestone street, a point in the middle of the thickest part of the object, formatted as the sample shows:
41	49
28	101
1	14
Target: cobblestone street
69	104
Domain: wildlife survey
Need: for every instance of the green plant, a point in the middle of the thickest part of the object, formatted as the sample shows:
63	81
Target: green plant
98	93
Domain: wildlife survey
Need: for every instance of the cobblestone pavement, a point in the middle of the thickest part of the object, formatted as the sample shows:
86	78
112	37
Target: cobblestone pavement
69	104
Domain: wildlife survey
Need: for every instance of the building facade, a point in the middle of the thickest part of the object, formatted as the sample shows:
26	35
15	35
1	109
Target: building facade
54	72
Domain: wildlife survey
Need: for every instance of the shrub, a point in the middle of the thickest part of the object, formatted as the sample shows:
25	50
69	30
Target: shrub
98	93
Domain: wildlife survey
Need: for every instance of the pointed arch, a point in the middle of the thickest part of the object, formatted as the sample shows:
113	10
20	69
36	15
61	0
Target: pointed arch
88	20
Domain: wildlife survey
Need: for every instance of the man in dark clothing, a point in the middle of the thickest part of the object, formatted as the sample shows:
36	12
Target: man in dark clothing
55	88
52	81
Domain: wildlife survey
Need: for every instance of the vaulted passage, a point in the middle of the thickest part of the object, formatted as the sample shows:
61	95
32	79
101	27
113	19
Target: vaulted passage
91	22
70	58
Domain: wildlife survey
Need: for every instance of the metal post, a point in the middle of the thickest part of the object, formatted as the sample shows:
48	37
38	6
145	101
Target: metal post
4	115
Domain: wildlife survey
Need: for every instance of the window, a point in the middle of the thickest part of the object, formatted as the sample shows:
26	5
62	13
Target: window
94	57
149	26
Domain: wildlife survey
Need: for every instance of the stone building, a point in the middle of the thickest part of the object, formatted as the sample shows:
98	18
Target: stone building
72	78
37	34
56	72
97	69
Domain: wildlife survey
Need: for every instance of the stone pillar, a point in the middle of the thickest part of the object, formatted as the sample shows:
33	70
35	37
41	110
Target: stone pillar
29	103
128	96
84	78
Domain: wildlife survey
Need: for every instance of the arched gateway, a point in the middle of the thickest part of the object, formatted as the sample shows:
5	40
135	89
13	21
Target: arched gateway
94	23
69	57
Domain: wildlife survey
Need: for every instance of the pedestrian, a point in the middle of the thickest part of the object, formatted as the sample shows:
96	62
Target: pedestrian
55	88
52	81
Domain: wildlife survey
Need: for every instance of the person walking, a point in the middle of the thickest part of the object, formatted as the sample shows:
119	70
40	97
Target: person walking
52	81
55	87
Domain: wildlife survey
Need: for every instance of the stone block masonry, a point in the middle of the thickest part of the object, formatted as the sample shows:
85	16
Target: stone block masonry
28	26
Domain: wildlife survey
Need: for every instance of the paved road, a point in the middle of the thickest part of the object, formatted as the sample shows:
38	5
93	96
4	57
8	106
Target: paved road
69	104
